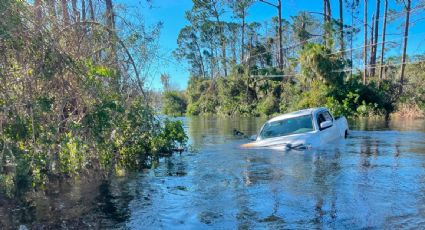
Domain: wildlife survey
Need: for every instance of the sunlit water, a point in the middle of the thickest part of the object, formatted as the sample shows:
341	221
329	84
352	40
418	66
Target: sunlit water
373	179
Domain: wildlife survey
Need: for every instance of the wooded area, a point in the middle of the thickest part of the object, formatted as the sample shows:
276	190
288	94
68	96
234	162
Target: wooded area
72	94
311	59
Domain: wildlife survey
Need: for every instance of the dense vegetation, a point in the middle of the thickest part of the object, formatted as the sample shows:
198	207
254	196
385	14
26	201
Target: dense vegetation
174	102
241	68
72	99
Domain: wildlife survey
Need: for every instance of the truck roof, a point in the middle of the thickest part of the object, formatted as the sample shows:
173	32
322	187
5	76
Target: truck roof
296	114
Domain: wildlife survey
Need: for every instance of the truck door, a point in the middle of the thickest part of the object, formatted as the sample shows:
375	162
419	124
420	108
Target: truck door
329	133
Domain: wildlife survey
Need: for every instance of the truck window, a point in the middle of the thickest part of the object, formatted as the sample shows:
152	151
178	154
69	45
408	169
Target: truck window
286	127
327	115
323	116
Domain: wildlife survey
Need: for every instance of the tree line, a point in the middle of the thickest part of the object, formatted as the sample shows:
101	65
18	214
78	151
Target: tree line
224	49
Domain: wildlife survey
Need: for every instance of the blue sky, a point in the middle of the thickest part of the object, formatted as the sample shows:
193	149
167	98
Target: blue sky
171	14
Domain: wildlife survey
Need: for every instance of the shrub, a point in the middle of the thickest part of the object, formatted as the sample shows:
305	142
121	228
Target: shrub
174	103
268	106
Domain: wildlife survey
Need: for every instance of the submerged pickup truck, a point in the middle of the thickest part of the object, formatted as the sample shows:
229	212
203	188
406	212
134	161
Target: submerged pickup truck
304	129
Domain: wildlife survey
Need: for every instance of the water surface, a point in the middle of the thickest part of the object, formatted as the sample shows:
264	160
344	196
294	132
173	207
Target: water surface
373	179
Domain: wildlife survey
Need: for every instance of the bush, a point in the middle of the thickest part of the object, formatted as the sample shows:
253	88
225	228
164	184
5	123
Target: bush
268	106
289	97
174	103
171	136
314	97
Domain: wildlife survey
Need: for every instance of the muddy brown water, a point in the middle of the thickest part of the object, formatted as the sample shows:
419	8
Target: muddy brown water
373	179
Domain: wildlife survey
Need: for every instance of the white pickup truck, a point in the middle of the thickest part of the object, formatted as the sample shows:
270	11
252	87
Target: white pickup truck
304	129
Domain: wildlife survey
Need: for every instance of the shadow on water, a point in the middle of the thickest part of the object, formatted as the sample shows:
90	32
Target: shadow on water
374	179
81	204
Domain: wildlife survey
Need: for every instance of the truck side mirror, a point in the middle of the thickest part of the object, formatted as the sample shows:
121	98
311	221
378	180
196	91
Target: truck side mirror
253	137
325	124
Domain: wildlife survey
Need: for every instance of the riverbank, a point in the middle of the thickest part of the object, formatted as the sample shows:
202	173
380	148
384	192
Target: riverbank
411	112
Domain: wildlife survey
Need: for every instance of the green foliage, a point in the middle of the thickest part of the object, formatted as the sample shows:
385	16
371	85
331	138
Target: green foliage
202	95
210	43
17	130
98	70
68	106
301	25
174	103
171	136
414	90
319	85
44	103
318	62
291	94
315	96
8	184
232	95
268	106
71	154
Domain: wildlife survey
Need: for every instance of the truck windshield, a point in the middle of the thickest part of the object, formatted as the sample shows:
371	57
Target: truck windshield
286	127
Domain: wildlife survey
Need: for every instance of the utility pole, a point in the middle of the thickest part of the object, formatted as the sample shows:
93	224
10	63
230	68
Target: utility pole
406	34
341	28
278	6
375	39
365	43
384	28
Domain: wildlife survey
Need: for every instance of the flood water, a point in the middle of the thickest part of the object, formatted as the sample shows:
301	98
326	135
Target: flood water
373	179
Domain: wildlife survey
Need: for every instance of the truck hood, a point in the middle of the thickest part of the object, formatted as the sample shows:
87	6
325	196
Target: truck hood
303	140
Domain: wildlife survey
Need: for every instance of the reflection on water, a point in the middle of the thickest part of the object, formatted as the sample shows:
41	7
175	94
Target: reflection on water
374	179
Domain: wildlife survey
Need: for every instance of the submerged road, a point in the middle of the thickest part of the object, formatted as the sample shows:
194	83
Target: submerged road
373	179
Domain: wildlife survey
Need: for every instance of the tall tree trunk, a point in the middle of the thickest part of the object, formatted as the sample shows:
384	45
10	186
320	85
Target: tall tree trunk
212	62
384	27
371	42
403	58
243	37
51	5
233	46
341	27
75	12
223	45
110	23
97	55
83	10
65	14
38	12
327	15
110	19
279	9
91	9
279	13
365	43
351	40
200	59
223	53
375	39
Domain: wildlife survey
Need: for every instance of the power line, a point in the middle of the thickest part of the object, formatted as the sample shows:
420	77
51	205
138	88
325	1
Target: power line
378	66
378	43
356	48
340	70
274	75
317	37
